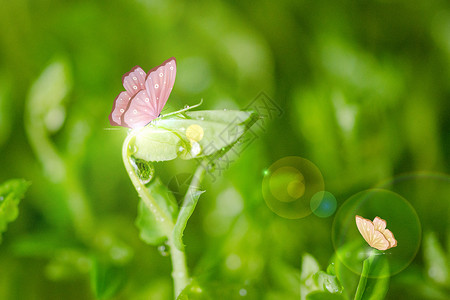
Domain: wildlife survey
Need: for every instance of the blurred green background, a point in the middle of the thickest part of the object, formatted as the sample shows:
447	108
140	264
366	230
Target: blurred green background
363	88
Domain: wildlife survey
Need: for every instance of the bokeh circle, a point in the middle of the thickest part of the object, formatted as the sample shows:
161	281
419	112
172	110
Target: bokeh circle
289	184
402	220
323	204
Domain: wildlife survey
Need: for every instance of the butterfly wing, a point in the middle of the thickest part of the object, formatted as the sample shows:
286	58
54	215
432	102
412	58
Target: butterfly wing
390	237
134	81
373	237
160	81
119	107
379	224
141	110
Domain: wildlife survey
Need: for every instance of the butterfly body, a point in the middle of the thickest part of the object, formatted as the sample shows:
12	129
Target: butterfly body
375	233
145	95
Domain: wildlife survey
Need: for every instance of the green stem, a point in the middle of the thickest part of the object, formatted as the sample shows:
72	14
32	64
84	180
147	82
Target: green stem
144	194
364	276
180	273
61	171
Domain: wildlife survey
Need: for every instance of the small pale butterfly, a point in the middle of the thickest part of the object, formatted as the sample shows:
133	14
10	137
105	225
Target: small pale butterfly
375	233
145	95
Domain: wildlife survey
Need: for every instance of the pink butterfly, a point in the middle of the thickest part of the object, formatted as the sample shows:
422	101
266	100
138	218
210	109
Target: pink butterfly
145	95
375	233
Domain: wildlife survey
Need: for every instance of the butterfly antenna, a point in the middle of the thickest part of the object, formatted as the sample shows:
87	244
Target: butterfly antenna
184	109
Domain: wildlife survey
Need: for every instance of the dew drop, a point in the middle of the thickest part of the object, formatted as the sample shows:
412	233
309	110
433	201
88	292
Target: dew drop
156	86
161	74
163	250
243	292
146	100
132	149
122	110
134	87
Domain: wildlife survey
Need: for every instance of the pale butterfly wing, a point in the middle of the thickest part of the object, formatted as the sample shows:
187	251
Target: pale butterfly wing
141	110
120	105
373	237
134	81
379	224
390	237
160	81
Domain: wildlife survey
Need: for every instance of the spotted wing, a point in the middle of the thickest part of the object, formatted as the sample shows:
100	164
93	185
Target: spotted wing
119	107
159	83
373	237
134	81
141	110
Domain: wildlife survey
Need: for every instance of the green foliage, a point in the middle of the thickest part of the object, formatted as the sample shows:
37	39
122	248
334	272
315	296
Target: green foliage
149	227
185	212
11	192
106	279
316	284
168	138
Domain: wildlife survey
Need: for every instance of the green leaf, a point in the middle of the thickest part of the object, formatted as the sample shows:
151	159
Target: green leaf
319	295
106	279
150	231
378	279
191	134
435	259
309	267
11	192
185	212
313	280
328	282
45	100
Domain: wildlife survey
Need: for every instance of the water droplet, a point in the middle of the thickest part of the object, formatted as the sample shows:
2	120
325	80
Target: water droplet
122	110
132	149
181	149
139	188
163	250
156	86
223	149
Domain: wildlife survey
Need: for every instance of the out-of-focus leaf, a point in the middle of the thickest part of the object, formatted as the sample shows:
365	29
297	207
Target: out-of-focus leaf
67	264
191	135
435	260
106	279
309	267
185	211
150	231
197	290
11	192
47	94
319	295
